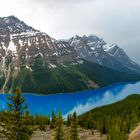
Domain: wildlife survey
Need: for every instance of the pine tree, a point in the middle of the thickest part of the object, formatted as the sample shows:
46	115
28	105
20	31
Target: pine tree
74	127
16	125
69	120
59	128
53	121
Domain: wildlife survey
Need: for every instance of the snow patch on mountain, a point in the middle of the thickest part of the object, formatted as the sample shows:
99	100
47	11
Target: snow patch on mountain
52	65
12	47
95	49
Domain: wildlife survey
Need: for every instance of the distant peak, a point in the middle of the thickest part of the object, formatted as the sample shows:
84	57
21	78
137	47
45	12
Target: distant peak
12	25
92	35
10	18
114	45
76	36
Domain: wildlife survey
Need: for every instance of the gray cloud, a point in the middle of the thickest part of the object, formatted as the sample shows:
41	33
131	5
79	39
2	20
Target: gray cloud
116	21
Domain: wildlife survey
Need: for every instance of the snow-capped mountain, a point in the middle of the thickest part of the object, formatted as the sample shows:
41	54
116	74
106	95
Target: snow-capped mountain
22	45
36	62
12	25
120	55
20	40
97	50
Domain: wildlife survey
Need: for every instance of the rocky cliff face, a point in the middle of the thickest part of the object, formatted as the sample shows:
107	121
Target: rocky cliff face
97	50
22	46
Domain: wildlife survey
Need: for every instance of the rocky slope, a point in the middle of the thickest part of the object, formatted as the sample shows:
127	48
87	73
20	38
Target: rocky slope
22	46
97	50
135	134
38	63
87	134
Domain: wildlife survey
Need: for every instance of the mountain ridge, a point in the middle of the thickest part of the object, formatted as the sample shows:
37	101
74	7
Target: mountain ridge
39	63
95	49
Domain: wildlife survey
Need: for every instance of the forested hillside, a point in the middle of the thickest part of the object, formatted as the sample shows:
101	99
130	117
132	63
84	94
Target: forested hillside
75	76
115	120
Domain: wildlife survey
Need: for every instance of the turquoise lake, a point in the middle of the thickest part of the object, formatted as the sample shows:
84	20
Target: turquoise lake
80	102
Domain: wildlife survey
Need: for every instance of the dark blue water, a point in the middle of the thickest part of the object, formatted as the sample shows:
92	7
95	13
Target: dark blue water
80	101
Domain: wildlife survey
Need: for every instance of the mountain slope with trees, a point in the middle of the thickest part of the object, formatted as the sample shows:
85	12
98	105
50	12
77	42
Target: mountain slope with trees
69	77
115	120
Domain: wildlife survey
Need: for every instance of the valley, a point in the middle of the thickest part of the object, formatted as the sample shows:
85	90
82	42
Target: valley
67	89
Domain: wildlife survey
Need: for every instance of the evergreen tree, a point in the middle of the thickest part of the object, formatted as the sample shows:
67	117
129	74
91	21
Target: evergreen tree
59	128
69	120
53	121
16	125
74	127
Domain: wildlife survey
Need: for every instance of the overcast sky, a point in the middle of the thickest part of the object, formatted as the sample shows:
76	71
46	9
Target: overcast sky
116	21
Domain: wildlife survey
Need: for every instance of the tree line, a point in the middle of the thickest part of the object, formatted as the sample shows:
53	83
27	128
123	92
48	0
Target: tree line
18	124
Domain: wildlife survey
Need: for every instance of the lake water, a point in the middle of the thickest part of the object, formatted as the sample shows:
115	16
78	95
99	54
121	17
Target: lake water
80	101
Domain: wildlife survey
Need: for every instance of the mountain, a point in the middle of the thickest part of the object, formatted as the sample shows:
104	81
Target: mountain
95	49
38	63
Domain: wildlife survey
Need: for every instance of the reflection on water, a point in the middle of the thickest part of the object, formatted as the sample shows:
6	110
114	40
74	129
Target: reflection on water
79	101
